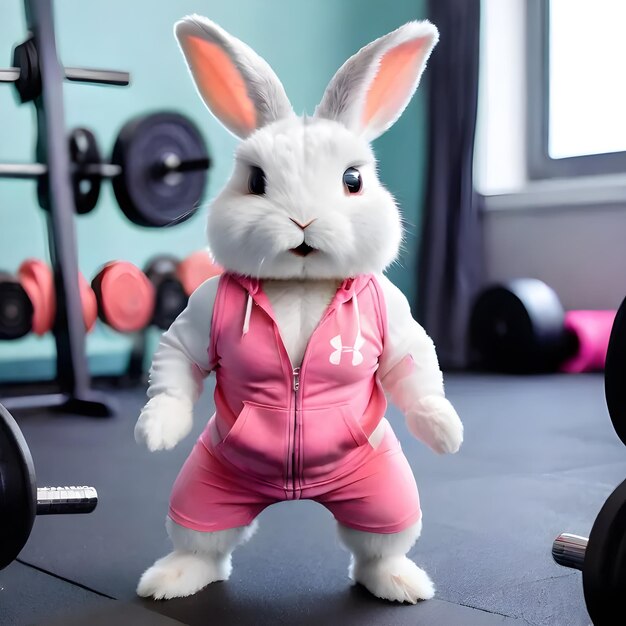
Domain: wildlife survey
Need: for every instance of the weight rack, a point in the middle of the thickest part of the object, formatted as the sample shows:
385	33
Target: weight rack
38	77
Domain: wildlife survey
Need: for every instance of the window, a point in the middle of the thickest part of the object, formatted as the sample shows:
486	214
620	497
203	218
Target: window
576	57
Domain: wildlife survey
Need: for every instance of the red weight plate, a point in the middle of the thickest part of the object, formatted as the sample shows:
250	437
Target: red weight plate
195	269
36	278
126	297
89	303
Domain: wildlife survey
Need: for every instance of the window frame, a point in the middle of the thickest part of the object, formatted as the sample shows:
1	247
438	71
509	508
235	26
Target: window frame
539	163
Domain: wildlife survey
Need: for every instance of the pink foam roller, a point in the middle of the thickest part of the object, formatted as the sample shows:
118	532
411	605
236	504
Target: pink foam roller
592	330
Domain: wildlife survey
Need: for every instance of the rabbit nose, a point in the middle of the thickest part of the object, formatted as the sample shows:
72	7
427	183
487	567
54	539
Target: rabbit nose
302	226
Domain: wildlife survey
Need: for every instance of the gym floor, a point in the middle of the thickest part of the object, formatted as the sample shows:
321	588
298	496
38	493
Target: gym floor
540	458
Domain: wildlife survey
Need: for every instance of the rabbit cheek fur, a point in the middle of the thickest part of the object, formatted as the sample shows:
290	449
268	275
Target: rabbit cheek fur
304	161
254	234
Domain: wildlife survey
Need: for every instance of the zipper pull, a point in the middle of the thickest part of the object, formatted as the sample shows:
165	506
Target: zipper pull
296	379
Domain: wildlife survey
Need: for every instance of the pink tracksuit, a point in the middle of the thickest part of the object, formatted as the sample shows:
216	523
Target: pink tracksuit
282	432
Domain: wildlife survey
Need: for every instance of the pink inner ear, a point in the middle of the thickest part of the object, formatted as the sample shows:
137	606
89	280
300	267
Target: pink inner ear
221	84
393	84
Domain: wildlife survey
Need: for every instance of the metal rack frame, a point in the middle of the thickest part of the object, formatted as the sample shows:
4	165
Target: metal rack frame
75	394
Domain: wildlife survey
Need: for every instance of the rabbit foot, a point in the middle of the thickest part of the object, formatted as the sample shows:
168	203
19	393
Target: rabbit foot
181	574
395	578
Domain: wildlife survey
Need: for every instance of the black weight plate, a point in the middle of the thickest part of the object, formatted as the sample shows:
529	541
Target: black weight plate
615	374
84	151
16	309
145	195
171	298
604	571
18	489
28	84
518	327
161	267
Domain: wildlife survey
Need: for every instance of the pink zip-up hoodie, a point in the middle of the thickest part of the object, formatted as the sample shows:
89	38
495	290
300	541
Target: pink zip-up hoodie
295	427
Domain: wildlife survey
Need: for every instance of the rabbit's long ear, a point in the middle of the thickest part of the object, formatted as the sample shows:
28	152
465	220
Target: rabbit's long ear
237	85
372	88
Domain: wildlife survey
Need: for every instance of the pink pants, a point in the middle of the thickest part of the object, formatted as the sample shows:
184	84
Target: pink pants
378	496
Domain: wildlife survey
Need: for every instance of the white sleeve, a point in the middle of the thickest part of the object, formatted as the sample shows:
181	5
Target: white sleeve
409	368
181	361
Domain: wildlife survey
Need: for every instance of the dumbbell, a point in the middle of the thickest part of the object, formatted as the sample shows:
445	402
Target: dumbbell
16	309
158	169
125	296
38	282
21	500
174	281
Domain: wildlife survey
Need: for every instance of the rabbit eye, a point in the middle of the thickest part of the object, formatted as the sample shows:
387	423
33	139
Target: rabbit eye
256	181
352	180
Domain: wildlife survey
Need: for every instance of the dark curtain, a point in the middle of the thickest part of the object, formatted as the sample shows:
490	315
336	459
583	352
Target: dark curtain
450	263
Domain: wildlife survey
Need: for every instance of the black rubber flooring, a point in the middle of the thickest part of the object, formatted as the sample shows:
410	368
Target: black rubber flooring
540	458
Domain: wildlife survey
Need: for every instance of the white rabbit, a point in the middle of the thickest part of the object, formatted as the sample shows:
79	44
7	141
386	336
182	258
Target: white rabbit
304	230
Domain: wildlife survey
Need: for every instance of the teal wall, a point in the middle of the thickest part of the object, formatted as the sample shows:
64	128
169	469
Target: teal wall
305	42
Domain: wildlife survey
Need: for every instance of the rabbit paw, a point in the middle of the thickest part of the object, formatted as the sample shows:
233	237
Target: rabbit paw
396	579
435	422
164	421
180	574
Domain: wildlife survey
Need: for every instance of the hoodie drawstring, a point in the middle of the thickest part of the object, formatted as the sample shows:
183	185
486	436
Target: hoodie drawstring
246	321
357	357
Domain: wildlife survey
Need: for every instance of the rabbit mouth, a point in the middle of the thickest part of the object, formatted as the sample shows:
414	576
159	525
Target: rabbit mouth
302	250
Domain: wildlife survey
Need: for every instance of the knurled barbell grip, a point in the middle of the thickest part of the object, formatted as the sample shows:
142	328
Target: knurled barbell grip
569	550
66	500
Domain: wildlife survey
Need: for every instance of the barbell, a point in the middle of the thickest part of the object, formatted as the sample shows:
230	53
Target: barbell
158	169
602	557
21	500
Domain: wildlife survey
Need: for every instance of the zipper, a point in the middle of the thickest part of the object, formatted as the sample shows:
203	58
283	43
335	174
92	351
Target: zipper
295	375
296	387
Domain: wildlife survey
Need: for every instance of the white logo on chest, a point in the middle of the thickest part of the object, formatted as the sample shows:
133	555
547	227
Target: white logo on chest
337	344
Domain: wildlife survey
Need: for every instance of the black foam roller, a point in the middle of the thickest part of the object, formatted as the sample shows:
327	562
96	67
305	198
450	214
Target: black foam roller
518	327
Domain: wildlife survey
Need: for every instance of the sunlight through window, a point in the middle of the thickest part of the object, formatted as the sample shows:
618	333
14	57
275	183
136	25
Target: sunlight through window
587	70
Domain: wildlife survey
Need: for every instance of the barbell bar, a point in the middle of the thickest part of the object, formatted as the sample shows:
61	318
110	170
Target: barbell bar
103	170
76	74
